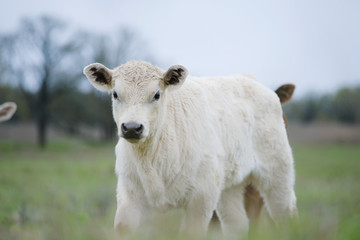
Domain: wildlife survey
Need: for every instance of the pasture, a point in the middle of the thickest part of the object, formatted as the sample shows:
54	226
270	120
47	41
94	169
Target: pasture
68	192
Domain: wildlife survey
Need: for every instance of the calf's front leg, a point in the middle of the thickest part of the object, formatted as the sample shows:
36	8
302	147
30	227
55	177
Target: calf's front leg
198	214
129	217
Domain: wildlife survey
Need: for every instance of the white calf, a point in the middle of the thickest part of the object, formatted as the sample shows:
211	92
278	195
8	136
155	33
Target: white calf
195	144
7	110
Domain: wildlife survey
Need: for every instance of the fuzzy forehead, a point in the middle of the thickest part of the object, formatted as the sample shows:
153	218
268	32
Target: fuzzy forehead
137	72
136	80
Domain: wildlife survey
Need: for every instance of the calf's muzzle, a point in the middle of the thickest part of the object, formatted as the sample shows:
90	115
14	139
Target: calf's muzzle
132	130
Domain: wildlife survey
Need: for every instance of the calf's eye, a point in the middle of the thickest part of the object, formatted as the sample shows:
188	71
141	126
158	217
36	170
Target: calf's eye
115	95
157	96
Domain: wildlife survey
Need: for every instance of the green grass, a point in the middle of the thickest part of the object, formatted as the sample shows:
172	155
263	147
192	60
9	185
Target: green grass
65	192
68	192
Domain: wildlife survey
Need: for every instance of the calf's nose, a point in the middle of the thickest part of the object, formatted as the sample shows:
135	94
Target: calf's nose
131	130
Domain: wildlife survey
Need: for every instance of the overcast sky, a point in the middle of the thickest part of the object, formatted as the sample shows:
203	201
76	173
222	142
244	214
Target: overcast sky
312	43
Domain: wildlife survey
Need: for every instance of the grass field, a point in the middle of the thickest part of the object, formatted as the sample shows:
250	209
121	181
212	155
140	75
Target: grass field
68	192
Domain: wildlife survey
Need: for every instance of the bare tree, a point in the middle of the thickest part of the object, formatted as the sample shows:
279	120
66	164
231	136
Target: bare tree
45	60
41	58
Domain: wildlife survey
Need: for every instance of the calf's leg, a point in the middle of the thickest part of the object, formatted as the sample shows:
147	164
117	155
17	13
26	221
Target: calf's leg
129	217
231	211
198	213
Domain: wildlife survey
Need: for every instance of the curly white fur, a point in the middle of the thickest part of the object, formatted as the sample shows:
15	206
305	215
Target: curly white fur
202	144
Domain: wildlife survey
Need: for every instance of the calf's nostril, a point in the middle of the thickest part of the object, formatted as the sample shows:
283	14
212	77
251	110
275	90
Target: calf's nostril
123	128
139	129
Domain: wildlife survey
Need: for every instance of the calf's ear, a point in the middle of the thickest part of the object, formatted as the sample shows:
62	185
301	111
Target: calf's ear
99	76
285	92
7	110
175	76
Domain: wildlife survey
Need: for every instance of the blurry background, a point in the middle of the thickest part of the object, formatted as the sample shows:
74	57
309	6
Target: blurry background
56	154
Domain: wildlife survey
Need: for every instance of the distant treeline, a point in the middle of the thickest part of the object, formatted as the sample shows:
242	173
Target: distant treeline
342	106
41	65
69	111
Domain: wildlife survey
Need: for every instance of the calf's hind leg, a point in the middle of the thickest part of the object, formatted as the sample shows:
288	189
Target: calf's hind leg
253	204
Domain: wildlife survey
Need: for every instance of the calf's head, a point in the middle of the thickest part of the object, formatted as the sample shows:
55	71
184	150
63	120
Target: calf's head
139	92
